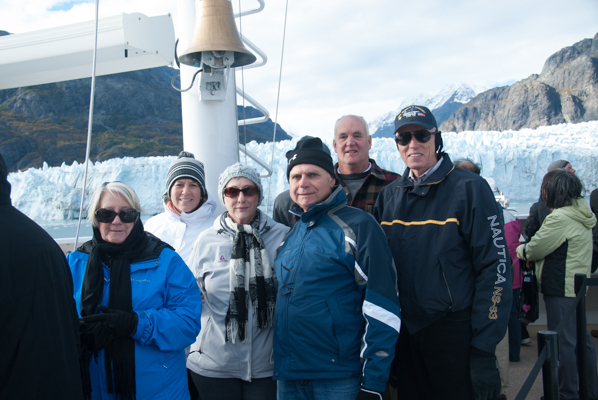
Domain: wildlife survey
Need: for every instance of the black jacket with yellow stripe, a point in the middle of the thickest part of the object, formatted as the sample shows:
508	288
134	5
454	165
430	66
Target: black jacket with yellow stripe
449	249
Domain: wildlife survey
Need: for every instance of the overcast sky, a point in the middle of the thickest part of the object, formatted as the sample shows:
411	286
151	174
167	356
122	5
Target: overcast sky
364	57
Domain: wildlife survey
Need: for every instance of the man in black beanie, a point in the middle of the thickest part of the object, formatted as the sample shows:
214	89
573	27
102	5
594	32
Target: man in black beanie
39	328
337	311
284	203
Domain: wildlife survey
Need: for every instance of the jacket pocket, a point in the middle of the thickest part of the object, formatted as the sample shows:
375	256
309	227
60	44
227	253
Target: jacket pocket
202	341
339	329
447	288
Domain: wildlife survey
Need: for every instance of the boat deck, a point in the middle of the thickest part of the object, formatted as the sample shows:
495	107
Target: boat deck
519	371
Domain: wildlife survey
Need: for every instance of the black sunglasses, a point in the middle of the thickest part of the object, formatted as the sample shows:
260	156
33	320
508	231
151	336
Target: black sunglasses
422	136
248	191
126	216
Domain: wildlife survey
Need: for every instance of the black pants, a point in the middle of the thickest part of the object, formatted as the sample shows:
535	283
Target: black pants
234	389
433	363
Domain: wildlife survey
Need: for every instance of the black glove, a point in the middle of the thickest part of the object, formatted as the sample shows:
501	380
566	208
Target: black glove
485	378
367	394
122	323
95	336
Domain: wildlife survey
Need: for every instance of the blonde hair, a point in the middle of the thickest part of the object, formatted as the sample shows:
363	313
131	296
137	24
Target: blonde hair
116	189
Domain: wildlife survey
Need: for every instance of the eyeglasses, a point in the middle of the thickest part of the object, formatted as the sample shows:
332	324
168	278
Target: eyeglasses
127	215
422	136
248	191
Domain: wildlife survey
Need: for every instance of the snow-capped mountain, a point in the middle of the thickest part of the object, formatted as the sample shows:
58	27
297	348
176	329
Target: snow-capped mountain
442	104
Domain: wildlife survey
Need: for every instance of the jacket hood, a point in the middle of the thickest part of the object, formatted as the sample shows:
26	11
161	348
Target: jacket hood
4	184
580	212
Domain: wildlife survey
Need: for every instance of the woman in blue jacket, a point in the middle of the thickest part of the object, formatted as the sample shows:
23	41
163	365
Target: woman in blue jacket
140	304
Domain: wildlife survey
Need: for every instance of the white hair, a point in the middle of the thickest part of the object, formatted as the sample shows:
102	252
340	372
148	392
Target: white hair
116	189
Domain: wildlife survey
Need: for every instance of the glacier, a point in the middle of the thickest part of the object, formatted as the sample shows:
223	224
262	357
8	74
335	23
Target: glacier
517	160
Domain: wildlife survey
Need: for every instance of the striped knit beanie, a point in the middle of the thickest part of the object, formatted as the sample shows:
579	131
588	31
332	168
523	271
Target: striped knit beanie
186	166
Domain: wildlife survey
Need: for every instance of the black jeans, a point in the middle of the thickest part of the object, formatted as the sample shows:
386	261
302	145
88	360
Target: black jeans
433	363
234	389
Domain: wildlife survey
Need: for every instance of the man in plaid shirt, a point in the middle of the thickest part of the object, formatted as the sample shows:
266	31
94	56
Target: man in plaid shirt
355	171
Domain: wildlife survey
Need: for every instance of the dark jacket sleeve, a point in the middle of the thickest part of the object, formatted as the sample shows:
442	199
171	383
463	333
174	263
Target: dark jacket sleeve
282	205
483	229
376	275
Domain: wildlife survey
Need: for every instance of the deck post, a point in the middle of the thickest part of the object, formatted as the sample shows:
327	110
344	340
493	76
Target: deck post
550	340
582	355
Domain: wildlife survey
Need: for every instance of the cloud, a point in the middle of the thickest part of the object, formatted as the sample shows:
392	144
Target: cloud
350	56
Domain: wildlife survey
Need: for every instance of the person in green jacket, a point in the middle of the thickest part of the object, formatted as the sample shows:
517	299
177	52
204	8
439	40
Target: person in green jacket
561	248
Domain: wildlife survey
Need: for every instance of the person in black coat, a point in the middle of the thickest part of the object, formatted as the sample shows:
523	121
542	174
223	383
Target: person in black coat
39	328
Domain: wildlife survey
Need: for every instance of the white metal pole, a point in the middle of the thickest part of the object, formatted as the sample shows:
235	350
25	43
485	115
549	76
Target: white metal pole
209	126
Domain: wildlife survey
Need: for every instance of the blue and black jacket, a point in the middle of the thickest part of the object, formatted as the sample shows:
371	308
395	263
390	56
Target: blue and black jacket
449	248
337	310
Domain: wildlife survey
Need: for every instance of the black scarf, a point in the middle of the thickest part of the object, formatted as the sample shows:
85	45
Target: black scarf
120	353
250	276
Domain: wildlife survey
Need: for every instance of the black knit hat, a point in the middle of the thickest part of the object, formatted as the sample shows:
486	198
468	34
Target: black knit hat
186	166
310	151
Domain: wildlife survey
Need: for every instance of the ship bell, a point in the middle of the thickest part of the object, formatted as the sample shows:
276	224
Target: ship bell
216	38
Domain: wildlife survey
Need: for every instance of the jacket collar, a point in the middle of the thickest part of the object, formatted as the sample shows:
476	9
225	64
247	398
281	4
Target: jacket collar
265	223
152	251
437	176
374	170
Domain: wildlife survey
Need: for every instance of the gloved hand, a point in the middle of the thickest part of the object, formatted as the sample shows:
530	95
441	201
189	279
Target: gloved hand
484	377
95	336
122	323
367	394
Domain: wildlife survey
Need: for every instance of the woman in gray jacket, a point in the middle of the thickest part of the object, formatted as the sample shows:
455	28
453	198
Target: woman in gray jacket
233	263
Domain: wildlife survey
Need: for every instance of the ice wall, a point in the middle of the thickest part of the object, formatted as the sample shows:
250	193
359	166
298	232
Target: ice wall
517	160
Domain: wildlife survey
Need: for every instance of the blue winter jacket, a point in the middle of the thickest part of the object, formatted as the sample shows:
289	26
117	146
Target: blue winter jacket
168	304
337	310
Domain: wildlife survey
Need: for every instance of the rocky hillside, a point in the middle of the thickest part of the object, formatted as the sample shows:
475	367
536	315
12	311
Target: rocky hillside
565	92
136	114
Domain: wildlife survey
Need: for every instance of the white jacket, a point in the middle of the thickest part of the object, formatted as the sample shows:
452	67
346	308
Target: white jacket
181	231
211	355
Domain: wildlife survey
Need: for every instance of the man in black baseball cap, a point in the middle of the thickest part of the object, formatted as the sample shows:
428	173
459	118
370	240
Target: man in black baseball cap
448	245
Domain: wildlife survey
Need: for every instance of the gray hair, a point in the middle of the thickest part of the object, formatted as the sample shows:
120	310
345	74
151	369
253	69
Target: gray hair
116	189
367	130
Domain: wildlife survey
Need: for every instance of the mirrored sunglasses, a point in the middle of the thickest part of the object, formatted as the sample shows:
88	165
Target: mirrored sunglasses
248	191
422	136
126	216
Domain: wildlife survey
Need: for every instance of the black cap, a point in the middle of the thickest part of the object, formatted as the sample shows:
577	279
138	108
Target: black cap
418	115
310	151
